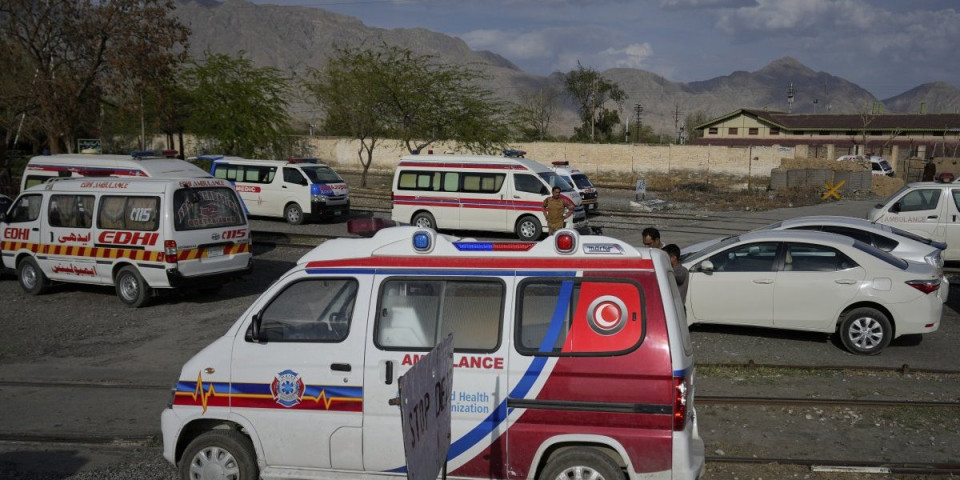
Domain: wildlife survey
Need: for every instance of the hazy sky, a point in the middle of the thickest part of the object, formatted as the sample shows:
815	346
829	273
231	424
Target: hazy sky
885	46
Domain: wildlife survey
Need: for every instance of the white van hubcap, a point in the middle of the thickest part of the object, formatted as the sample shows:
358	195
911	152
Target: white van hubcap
214	463
579	473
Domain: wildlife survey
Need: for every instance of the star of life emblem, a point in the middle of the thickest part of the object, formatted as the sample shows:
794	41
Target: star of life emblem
287	388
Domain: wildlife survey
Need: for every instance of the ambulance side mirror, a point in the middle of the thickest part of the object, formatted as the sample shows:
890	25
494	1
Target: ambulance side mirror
895	208
253	333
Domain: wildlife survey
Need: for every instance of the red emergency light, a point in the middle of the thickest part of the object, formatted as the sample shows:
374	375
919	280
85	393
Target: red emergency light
368	226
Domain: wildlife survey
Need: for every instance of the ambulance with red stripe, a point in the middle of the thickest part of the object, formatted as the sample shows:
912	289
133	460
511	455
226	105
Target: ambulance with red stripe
41	168
139	235
572	360
477	192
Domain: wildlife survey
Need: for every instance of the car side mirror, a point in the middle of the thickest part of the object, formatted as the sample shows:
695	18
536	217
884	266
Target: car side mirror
253	333
706	266
895	208
3	217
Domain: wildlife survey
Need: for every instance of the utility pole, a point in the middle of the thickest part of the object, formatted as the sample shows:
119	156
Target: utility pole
638	109
593	108
790	93
676	120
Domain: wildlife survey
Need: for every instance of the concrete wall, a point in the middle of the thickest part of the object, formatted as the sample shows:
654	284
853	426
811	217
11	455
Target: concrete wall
592	159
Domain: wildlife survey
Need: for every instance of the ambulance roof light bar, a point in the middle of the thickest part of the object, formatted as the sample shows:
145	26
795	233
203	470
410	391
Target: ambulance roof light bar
143	153
302	160
512	153
212	157
560	163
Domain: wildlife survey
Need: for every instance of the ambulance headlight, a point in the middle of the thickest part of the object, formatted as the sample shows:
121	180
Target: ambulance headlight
317	198
423	241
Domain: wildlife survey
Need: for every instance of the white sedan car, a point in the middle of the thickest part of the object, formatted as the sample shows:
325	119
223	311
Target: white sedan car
813	281
898	242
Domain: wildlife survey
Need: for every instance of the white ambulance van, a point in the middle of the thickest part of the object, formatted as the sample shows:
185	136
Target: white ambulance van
588	192
479	192
928	209
572	357
294	189
138	235
41	168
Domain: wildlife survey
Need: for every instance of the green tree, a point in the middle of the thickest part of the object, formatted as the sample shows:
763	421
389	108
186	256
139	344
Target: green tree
235	108
375	93
80	51
693	120
534	111
592	93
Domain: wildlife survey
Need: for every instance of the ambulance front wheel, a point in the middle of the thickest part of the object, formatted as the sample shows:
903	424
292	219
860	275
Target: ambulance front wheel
582	463
131	288
219	454
529	229
32	279
293	214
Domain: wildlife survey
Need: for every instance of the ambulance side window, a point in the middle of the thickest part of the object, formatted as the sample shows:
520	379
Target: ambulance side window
72	211
292	175
26	209
129	213
312	310
529	184
579	316
415	314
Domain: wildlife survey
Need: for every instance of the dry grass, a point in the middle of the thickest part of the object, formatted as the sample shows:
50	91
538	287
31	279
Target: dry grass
717	192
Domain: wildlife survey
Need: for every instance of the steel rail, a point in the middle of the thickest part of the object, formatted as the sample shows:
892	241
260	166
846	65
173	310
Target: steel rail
832	402
903	369
849	466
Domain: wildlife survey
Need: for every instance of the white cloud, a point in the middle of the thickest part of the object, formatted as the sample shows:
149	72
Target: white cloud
692	4
631	56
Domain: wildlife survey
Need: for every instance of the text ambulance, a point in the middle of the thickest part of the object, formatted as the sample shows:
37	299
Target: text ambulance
41	168
572	356
136	234
475	192
295	189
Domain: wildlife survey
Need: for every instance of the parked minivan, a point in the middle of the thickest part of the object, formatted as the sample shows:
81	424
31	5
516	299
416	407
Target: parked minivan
41	168
295	189
572	359
479	192
139	235
588	192
928	209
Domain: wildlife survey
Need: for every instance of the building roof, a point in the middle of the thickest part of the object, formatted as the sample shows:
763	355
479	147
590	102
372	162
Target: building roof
845	122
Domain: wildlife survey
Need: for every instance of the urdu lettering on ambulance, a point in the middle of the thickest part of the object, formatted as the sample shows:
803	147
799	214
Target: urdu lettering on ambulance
605	293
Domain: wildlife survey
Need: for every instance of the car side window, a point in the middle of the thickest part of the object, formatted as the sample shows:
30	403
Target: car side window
314	310
805	257
292	175
854	233
753	257
529	184
920	199
26	209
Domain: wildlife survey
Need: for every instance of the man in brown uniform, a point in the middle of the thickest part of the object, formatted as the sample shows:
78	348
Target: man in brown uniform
556	209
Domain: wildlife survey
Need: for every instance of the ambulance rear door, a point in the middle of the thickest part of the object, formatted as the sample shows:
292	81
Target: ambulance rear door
415	310
68	235
300	382
21	231
210	229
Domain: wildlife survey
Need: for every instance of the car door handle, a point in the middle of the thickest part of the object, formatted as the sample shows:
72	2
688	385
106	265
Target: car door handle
763	281
845	281
932	217
340	367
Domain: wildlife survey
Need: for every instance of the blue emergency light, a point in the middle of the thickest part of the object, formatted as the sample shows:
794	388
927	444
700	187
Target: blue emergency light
142	153
422	241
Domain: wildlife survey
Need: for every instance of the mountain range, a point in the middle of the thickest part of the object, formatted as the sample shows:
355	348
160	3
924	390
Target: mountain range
295	39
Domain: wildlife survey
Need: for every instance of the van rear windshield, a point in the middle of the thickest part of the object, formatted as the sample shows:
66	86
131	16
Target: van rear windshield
200	208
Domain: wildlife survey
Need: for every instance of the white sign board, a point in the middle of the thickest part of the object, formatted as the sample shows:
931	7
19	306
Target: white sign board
641	191
425	412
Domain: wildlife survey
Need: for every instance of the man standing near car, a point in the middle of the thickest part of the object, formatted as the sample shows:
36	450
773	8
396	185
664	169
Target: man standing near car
556	209
651	238
680	273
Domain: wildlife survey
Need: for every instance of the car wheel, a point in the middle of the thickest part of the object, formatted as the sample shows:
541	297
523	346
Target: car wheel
293	214
219	454
529	229
583	464
424	220
865	331
32	279
131	288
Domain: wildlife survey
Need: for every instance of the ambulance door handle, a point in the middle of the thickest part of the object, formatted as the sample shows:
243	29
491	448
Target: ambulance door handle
37	229
340	367
388	378
516	196
932	217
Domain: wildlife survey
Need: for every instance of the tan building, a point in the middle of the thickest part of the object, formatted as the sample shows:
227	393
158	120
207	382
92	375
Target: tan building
896	135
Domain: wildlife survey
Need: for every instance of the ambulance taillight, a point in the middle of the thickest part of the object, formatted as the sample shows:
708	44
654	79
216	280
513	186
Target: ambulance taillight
681	400
170	251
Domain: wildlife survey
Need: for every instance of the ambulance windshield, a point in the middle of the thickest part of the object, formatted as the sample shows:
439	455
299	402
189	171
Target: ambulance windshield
321	175
555	180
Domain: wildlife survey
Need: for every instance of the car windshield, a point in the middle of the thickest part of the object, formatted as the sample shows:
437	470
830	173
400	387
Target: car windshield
726	242
554	180
322	175
582	181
